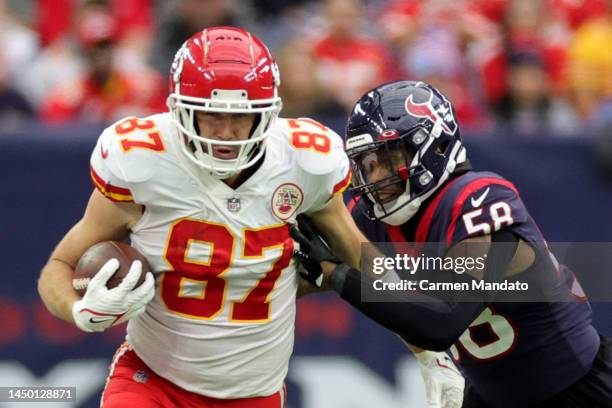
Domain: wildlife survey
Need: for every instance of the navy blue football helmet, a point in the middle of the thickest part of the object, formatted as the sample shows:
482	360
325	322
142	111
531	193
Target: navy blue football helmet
409	130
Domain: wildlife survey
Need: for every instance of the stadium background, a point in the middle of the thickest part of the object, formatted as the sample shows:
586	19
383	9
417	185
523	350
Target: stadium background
532	81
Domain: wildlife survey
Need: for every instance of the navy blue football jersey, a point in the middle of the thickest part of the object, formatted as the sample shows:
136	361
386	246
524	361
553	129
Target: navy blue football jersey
513	354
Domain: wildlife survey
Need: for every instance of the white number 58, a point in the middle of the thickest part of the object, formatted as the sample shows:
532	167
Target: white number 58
500	212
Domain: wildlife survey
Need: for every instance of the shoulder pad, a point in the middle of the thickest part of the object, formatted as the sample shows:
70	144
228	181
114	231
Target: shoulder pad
477	203
318	149
129	148
482	205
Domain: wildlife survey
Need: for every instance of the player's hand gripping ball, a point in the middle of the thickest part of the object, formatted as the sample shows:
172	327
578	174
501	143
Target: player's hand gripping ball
95	257
115	283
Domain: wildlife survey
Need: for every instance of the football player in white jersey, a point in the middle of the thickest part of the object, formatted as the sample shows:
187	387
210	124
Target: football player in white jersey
206	192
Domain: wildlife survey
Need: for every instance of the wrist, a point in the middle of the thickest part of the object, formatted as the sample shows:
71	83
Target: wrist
76	309
425	357
67	310
338	275
328	268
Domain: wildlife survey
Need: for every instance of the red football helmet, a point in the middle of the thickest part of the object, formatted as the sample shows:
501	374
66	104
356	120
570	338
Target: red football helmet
223	69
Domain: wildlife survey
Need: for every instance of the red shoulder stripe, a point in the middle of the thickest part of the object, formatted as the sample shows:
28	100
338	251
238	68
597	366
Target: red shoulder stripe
343	184
113	193
402	247
467	191
425	223
352	203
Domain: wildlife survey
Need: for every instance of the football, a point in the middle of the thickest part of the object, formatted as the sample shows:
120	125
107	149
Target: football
97	255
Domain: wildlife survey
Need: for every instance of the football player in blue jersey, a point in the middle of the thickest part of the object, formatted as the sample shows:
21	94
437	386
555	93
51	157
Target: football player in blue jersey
413	183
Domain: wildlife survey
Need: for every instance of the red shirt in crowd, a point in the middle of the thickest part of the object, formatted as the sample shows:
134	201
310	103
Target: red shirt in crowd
122	95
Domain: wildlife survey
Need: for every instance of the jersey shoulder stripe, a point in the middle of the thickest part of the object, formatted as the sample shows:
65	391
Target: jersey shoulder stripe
466	192
343	184
129	153
449	204
111	192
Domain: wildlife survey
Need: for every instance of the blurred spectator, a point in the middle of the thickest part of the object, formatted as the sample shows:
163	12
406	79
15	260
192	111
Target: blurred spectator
18	47
276	25
56	64
61	61
103	93
183	18
135	32
348	63
577	12
527	25
427	39
462	47
528	108
300	89
14	109
55	18
590	65
267	9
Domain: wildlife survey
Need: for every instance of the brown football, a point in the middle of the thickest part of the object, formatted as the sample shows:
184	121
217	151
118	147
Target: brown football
97	255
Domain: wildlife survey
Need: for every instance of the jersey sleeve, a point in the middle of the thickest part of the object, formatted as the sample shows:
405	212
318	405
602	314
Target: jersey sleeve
330	185
326	173
126	157
486	210
475	205
105	168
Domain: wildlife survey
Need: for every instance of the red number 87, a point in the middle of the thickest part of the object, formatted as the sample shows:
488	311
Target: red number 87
208	275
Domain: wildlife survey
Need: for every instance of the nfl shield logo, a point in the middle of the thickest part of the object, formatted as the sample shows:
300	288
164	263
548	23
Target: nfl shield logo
233	204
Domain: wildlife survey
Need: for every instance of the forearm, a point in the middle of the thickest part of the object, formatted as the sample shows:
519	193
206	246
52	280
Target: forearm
421	320
340	231
55	289
103	220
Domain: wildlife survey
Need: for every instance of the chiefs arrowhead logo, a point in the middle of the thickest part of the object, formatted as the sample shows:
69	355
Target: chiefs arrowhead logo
442	112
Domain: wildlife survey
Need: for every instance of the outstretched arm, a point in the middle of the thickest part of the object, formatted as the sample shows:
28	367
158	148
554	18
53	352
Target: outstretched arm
337	226
423	320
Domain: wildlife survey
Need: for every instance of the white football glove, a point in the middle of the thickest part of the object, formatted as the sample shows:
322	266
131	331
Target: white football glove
443	382
101	307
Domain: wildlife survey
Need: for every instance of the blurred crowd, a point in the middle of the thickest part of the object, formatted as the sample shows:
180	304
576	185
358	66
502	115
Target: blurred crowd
518	67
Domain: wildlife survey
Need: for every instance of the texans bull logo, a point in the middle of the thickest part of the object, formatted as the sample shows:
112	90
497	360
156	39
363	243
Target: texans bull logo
441	112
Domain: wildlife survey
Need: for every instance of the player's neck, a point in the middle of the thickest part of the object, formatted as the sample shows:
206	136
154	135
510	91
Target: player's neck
236	181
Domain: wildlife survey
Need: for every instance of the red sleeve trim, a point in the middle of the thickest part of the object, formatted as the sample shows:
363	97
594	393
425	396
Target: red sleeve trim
467	191
111	192
425	223
343	184
352	203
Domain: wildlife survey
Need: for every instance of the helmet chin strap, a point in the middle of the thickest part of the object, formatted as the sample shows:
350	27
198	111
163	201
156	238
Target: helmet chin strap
408	207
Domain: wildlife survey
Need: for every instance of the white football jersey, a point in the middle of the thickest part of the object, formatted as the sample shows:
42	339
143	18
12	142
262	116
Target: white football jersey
222	320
